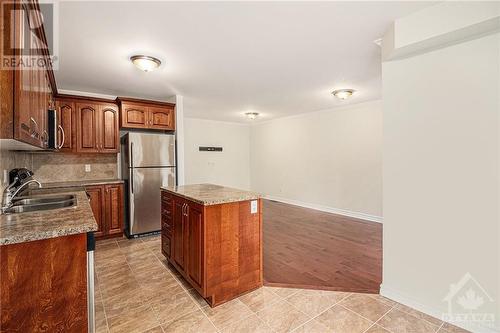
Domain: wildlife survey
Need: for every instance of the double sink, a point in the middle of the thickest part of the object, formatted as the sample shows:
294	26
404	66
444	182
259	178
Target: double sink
39	203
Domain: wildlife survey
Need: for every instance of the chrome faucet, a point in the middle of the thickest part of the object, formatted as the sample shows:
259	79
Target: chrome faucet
11	192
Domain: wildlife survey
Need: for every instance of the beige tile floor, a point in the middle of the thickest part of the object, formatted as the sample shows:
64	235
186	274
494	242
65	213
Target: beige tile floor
136	291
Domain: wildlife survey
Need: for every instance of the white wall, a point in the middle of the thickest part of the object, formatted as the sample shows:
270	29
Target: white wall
330	160
441	167
229	167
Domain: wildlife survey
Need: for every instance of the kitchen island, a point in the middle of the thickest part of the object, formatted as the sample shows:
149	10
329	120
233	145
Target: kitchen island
212	235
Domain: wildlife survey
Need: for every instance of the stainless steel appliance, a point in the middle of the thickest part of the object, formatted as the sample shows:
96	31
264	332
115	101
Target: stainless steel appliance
148	162
54	128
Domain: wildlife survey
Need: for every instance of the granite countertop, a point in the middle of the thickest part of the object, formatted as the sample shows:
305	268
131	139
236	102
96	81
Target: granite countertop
25	227
209	194
80	183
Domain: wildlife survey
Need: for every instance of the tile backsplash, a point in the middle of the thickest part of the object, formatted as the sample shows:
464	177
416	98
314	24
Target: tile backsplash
55	167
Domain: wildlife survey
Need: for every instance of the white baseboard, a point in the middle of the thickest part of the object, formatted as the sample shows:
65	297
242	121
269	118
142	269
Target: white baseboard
362	216
411	302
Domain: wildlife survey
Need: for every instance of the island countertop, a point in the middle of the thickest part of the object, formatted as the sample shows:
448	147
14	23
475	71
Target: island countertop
210	194
26	227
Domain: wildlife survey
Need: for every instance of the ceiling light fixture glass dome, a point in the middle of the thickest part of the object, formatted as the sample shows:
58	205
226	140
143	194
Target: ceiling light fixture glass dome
252	115
343	93
145	63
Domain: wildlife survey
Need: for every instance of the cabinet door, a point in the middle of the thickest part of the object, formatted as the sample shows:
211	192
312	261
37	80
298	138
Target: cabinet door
97	204
87	128
134	115
178	232
161	118
195	244
114	209
66	119
108	129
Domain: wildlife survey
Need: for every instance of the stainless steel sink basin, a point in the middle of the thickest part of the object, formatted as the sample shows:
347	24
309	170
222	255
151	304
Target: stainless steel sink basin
33	204
41	200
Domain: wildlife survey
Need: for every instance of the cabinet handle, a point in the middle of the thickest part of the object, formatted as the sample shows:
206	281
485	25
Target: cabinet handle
34	133
62	135
45	137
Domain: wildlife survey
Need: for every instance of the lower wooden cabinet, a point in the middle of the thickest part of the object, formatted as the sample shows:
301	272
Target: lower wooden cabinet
107	203
44	285
216	248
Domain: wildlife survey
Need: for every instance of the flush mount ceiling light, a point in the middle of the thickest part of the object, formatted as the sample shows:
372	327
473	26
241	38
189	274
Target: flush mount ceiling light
145	63
343	93
252	115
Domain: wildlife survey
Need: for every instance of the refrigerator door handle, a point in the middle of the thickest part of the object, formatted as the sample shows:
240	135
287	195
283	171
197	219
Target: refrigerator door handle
131	180
131	155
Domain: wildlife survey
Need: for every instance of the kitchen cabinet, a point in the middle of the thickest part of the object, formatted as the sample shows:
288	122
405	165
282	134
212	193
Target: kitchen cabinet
187	238
33	87
107	206
96	198
44	285
66	115
113	208
97	127
146	114
216	248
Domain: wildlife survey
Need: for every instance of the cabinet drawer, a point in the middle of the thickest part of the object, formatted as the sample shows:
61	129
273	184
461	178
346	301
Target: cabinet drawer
166	225
165	245
166	198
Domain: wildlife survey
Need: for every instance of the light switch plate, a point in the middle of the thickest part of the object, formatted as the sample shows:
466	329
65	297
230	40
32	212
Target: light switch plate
254	207
87	167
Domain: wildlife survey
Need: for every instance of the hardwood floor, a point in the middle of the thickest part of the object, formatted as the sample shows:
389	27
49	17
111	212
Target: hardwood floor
306	248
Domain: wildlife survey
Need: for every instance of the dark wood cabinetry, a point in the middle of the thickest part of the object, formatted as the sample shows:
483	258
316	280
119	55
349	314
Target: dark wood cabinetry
217	248
44	285
96	198
146	114
97	128
107	205
26	92
66	115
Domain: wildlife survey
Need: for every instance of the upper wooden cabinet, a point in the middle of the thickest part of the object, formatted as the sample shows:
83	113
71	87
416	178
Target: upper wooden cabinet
27	92
66	133
96	127
146	114
108	128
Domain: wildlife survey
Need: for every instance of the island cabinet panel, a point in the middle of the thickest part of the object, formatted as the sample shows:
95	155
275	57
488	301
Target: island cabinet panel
107	205
216	248
178	235
44	285
195	245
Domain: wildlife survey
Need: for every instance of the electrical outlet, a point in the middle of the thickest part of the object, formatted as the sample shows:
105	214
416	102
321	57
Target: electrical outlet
87	168
253	206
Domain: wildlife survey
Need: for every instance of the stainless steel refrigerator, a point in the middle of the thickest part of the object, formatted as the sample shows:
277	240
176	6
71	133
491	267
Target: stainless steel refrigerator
148	162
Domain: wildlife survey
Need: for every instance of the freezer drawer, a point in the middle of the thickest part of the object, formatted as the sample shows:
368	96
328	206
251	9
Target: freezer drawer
145	198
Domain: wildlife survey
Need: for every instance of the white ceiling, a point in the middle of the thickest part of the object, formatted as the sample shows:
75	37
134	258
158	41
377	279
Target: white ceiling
227	58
